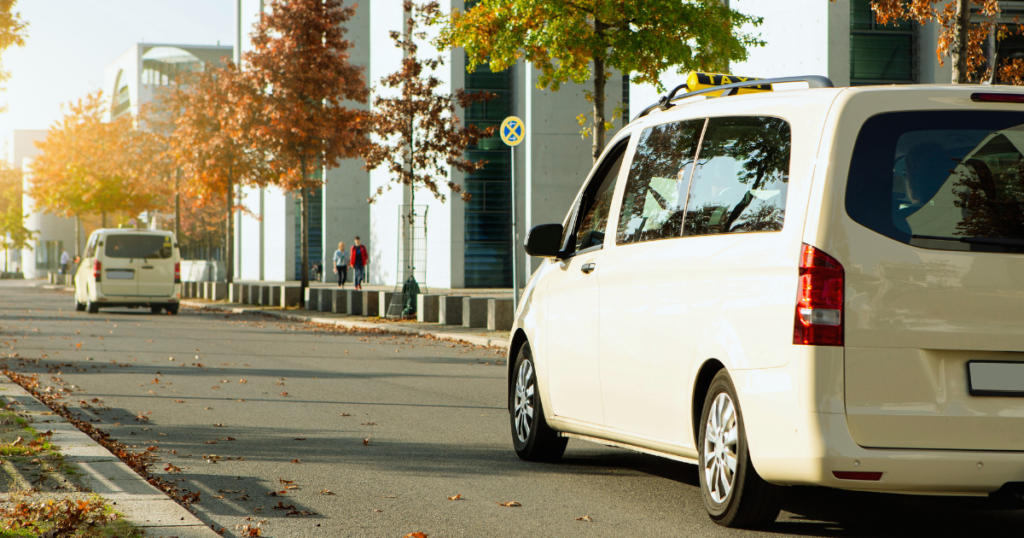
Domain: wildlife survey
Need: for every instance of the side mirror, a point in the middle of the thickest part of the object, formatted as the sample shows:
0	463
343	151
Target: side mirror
544	241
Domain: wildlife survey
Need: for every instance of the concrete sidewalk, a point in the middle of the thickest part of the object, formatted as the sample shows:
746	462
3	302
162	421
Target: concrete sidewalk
452	333
102	473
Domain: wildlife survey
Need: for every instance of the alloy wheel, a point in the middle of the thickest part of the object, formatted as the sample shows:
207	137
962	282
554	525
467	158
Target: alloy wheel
721	443
524	401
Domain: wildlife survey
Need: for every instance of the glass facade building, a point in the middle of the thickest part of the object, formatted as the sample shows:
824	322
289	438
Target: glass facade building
880	54
488	220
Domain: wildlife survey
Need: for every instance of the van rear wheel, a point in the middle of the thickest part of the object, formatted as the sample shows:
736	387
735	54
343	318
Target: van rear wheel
532	438
92	307
155	309
734	494
79	307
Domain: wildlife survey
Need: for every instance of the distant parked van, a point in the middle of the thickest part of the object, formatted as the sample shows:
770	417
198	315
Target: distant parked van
807	287
129	268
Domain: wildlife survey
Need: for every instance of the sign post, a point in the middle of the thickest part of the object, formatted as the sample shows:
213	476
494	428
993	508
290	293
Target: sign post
512	132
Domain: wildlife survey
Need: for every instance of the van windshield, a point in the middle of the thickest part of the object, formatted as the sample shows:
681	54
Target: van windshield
138	246
943	180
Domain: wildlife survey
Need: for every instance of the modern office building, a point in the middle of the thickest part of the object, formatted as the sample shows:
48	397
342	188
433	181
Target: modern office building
458	244
139	72
53	233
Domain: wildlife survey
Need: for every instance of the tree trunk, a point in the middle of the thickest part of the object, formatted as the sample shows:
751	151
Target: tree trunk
78	234
599	84
229	254
103	219
958	49
177	206
304	229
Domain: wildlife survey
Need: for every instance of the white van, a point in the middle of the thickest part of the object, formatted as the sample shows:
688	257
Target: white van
819	286
129	267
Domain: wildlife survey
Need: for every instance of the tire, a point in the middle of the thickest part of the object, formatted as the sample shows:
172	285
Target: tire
532	438
92	307
173	309
155	309
79	307
734	495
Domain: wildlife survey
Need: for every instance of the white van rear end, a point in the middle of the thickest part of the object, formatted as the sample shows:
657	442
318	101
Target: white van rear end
125	267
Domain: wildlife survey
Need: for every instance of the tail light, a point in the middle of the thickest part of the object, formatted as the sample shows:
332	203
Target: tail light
97	270
819	300
177	272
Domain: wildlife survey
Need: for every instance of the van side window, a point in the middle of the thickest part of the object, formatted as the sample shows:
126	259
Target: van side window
741	178
652	205
592	213
90	249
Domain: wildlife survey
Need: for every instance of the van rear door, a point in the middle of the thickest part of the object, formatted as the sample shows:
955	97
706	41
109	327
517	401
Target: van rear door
156	275
119	268
932	240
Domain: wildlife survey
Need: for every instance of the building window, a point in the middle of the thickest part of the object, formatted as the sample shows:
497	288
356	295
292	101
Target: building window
488	254
880	54
315	222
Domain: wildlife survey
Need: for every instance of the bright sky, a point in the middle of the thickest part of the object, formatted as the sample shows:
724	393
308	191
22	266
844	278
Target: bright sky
70	43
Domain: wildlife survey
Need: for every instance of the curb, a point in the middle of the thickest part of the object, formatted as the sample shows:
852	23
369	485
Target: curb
386	327
142	504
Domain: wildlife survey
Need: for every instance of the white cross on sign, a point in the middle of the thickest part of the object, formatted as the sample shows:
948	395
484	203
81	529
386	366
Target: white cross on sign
512	131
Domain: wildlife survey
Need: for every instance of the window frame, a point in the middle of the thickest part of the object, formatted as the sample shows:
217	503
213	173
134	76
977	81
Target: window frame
599	171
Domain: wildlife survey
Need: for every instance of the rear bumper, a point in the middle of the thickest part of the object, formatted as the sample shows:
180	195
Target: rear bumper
821	444
129	300
798	434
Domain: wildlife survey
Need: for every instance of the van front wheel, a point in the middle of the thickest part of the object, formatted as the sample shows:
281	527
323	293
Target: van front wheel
734	494
532	438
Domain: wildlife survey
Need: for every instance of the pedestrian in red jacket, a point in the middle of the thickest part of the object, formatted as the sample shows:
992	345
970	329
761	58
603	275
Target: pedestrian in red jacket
360	260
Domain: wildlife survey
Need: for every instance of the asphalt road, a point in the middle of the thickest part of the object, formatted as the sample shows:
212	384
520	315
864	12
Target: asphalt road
392	426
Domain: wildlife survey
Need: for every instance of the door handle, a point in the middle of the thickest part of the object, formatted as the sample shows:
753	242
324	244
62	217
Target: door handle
147	266
588	267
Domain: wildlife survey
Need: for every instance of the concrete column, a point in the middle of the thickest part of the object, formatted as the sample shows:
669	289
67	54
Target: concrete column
499	314
266	295
474	312
220	291
235	293
426	308
326	299
287	296
354	302
384	301
312	299
208	290
450	310
371	303
339	301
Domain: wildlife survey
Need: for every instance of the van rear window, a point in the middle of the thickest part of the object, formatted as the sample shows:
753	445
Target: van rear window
941	179
138	246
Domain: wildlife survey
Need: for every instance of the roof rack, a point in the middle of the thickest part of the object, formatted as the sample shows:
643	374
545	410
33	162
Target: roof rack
665	102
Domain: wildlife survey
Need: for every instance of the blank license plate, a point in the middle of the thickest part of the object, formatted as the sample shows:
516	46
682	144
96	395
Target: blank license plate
996	378
120	274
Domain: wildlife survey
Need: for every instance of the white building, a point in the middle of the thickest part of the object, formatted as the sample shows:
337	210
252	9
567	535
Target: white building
468	244
53	234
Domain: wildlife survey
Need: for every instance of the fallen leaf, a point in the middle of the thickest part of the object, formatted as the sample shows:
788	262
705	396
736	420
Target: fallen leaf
369	424
510	504
300	439
283	481
376	510
284	394
416	535
585	518
326	492
457	497
282	506
346	414
300	513
215	387
366	441
180	401
219	425
296	460
243	380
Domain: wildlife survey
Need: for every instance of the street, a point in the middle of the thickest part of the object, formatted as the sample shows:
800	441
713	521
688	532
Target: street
378	432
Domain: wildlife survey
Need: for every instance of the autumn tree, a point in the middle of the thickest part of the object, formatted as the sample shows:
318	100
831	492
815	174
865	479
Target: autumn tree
960	39
208	140
584	40
13	31
419	133
13	233
88	166
300	71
